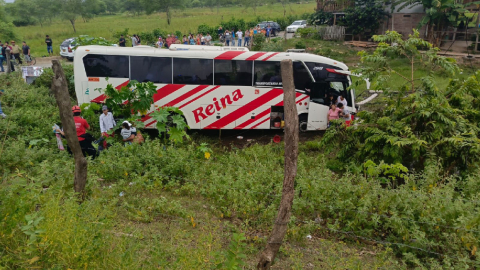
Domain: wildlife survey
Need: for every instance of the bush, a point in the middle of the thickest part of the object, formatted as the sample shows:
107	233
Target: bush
204	29
307	32
258	41
45	80
300	45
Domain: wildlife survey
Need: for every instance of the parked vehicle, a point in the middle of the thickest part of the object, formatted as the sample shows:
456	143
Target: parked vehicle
217	87
67	48
275	26
296	25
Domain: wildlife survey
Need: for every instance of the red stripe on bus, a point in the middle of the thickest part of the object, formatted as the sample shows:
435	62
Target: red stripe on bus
102	97
228	55
260	123
166	91
302	99
255	56
162	93
199	96
185	96
270	56
260	115
243	110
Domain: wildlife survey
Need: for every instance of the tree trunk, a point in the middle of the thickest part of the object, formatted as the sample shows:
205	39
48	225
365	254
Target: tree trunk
291	153
60	90
168	16
9	63
73	25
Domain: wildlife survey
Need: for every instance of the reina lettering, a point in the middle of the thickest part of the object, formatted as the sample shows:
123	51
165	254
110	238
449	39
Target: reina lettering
201	113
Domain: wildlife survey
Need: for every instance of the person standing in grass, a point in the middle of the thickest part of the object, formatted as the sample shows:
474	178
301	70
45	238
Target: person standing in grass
247	37
232	34
4	53
16	52
106	123
121	41
185	40
134	40
1	112
2	58
208	39
26	52
48	41
239	37
227	38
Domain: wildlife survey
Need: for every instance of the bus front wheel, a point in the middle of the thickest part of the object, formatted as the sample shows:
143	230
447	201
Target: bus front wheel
303	122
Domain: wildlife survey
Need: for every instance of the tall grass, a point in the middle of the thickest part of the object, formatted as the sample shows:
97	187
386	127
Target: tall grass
185	21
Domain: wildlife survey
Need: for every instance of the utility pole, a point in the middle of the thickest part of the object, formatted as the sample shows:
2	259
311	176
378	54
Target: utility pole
60	90
291	155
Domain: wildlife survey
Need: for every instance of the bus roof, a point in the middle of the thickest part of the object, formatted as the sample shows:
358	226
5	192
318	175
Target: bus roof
81	51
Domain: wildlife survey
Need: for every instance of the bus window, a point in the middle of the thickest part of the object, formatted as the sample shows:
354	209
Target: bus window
151	69
114	66
192	71
233	72
301	76
267	73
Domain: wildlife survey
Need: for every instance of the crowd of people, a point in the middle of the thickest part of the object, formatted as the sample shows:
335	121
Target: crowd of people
227	38
107	123
338	110
15	54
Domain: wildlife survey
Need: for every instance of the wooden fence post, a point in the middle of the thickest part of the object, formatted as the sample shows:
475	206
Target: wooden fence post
291	154
9	55
60	90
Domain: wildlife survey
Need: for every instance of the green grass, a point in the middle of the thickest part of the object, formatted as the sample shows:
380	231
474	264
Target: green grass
185	21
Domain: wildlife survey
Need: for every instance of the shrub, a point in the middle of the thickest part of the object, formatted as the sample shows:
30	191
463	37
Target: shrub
300	45
307	32
258	41
45	80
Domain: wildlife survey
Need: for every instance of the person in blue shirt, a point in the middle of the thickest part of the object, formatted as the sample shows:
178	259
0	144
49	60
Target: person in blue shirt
268	31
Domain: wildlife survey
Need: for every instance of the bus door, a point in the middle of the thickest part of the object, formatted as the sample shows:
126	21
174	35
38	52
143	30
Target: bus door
318	108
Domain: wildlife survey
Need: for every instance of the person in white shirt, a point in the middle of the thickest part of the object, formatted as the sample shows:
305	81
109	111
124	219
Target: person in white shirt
208	39
239	36
106	123
343	100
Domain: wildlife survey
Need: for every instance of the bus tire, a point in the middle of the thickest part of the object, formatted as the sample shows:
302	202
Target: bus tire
303	122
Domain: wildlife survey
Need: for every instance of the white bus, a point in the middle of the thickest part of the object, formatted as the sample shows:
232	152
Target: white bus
216	87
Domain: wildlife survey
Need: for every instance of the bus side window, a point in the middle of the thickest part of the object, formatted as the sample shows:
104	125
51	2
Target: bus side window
301	76
113	66
267	73
192	71
151	69
233	72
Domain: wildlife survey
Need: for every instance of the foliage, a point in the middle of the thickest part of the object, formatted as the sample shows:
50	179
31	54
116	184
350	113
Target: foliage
205	29
321	17
151	37
258	42
235	254
364	17
420	122
307	32
45	80
170	120
166	6
132	99
300	45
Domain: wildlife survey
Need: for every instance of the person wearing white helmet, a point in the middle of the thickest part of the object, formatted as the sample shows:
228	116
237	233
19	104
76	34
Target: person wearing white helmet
128	132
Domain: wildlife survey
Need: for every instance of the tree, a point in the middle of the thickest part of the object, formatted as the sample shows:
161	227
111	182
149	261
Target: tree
439	15
419	122
214	3
6	27
71	9
166	6
364	16
133	6
90	8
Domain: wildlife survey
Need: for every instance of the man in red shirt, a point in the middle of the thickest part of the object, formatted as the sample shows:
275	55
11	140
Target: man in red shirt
85	139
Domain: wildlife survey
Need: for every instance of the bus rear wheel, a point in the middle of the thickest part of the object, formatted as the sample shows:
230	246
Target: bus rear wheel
303	123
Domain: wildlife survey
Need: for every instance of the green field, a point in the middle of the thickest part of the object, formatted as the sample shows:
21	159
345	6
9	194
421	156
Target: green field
185	21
